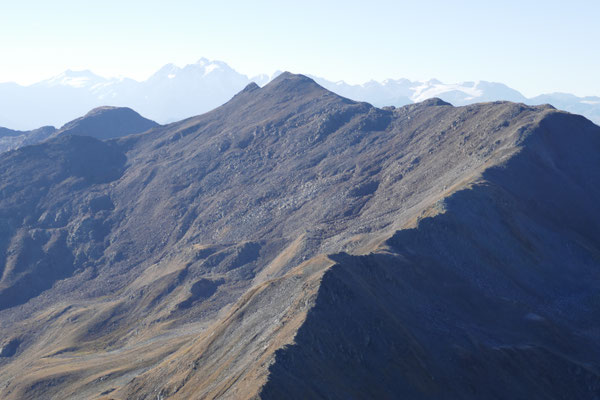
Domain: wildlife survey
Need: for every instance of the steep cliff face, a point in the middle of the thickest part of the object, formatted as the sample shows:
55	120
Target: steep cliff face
293	243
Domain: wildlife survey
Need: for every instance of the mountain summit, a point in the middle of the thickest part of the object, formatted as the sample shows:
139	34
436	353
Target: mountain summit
102	123
107	123
73	79
293	243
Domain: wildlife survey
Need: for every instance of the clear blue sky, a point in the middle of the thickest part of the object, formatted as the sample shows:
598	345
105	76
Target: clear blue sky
533	46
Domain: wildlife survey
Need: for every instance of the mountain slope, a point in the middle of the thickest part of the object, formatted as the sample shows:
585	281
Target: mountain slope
245	250
10	139
465	311
34	180
440	311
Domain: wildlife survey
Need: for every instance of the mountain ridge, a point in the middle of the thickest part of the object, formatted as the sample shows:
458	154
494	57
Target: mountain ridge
103	122
174	93
225	255
11	139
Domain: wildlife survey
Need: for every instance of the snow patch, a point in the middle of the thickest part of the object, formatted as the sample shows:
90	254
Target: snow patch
74	79
435	89
210	68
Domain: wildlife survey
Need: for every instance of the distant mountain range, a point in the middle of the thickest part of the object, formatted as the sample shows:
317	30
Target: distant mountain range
399	92
175	93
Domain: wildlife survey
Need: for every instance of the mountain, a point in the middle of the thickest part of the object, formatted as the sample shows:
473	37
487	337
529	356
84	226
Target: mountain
171	94
174	93
588	106
50	103
399	92
293	243
107	123
11	139
102	123
74	79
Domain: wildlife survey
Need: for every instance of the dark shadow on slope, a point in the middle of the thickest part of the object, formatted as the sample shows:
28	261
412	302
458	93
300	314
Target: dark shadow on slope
39	253
200	291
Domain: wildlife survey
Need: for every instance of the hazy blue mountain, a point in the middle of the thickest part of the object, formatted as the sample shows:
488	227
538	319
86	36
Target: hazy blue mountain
11	139
100	123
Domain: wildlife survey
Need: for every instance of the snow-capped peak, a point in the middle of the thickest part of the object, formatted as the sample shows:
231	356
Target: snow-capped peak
204	67
168	71
434	88
75	79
